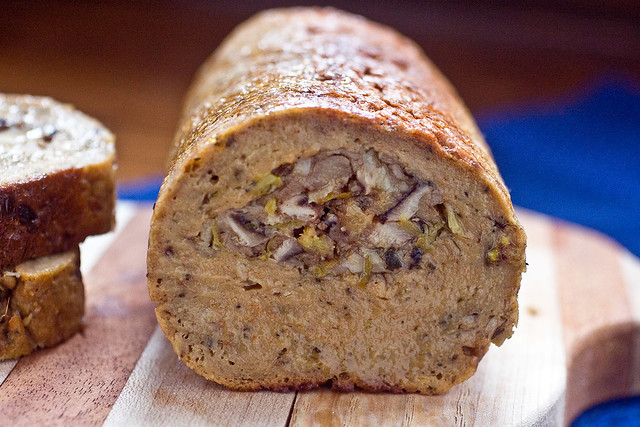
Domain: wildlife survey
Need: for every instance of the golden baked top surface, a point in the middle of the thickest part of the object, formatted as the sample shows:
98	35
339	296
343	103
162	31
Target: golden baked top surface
287	60
39	136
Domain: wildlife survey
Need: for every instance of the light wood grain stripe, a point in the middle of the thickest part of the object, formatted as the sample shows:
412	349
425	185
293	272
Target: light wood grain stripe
78	381
630	265
592	290
90	252
163	391
631	271
520	383
596	314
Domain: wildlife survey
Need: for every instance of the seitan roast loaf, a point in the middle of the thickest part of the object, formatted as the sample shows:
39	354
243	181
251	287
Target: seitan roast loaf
57	178
331	214
41	303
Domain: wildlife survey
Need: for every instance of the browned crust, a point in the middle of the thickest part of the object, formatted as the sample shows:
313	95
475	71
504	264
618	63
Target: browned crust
55	212
356	68
342	383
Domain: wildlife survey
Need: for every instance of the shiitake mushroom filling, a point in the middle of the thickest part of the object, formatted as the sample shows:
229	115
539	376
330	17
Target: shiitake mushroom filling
338	213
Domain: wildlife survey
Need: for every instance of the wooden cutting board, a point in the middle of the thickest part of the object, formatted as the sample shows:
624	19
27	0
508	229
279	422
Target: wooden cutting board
577	343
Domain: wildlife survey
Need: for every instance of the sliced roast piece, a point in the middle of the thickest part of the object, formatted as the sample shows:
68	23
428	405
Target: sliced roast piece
41	303
57	178
331	215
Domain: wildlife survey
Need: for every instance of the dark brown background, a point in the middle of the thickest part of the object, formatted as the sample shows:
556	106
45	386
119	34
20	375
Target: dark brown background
130	63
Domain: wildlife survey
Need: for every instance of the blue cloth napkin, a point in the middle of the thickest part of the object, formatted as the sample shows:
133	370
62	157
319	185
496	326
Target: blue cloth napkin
576	157
619	412
140	190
